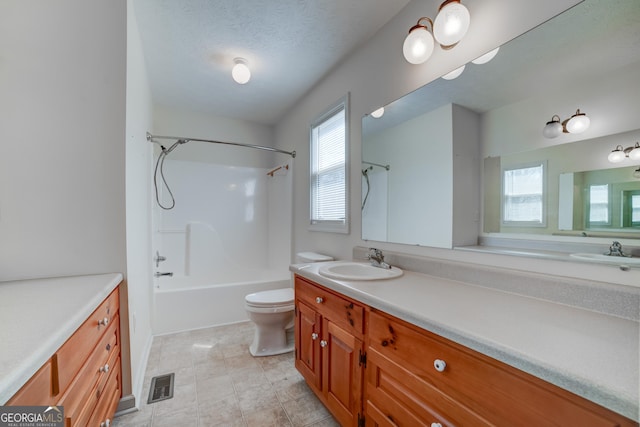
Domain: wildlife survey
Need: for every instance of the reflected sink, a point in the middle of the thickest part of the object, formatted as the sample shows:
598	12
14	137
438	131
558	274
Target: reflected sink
607	258
357	271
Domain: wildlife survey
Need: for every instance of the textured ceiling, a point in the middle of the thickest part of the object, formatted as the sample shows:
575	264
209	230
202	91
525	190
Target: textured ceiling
189	47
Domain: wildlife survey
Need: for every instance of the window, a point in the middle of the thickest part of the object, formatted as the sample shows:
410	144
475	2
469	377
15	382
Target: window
631	208
328	171
599	205
523	196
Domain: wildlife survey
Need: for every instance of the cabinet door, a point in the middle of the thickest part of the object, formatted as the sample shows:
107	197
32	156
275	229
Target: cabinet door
308	323
342	373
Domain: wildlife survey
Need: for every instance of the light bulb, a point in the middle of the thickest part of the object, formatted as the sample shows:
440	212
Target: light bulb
378	113
418	45
453	74
486	57
617	155
240	72
552	129
451	23
578	123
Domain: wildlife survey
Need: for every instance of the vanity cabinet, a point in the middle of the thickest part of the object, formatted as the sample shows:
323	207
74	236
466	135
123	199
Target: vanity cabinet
84	375
329	348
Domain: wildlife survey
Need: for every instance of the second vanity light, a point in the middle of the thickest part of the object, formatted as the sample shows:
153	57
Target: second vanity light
577	123
450	26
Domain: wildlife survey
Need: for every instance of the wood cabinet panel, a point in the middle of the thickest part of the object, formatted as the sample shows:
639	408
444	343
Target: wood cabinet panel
37	391
307	357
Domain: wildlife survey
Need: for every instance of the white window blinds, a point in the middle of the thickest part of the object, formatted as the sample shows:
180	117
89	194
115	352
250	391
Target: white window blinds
328	171
523	195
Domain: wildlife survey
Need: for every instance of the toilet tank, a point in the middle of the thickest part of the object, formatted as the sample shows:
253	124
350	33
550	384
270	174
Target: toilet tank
312	257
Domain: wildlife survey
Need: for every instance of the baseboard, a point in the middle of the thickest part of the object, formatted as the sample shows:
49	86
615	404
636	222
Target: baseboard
126	405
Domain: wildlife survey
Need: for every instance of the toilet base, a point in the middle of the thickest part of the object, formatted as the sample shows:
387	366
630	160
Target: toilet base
272	342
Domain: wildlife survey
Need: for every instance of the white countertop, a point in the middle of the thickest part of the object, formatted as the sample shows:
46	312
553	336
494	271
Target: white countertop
38	316
591	354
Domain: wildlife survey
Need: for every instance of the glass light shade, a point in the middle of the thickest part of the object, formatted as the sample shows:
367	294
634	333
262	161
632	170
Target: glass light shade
240	72
635	153
552	129
378	113
453	74
486	57
418	45
636	173
451	23
578	123
617	155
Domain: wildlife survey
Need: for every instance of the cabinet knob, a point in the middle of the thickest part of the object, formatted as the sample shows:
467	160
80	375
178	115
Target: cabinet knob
439	364
104	322
436	425
314	336
105	423
323	343
104	368
319	300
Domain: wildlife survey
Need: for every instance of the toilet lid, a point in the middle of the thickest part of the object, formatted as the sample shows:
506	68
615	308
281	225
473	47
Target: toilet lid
271	298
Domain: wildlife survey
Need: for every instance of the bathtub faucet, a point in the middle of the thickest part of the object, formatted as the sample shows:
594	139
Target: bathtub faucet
158	274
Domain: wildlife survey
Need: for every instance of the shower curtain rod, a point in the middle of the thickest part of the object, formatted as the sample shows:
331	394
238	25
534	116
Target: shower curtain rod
387	167
151	138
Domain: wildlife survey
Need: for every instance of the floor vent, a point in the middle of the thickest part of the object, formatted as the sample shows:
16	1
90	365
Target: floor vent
161	388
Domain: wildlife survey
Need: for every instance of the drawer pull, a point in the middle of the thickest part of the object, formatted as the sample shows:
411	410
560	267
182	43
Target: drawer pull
314	336
440	365
104	368
319	300
436	425
104	322
105	423
323	343
108	347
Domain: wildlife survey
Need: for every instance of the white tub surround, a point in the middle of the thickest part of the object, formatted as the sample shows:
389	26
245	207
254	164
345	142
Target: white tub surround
590	352
38	316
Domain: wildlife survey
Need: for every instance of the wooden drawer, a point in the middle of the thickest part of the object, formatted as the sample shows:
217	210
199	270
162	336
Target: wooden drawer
101	406
495	391
397	397
74	352
37	391
339	309
92	375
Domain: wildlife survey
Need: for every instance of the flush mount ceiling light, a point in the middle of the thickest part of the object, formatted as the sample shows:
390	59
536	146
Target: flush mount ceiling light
451	23
418	45
240	72
620	153
577	123
378	113
454	74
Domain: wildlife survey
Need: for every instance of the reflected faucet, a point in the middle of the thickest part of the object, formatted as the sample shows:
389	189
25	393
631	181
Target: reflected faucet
616	250
377	258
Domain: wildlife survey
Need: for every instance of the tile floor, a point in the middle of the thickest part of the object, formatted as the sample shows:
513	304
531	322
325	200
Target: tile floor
218	383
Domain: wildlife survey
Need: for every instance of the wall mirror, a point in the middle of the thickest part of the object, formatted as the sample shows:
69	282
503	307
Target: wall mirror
586	58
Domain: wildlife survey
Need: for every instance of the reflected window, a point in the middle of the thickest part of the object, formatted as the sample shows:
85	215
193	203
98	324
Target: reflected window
631	208
523	196
599	205
328	190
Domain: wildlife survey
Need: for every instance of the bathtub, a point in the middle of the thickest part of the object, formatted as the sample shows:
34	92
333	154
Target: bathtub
184	303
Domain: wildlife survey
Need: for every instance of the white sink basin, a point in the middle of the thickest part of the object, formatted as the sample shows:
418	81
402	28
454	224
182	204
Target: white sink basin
358	271
608	259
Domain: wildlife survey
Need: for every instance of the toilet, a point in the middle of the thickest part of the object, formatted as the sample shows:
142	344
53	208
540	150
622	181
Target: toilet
272	312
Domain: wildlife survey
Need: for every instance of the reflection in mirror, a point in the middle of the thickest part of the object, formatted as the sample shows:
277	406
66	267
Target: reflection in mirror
586	58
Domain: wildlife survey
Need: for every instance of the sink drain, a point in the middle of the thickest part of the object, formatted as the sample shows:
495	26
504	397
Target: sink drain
161	388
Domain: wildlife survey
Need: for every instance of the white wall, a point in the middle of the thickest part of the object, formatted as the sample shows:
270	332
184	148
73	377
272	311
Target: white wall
62	121
138	196
375	75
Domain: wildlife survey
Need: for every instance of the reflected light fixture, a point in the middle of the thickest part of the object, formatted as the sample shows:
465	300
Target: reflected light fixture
418	45
636	173
577	123
240	72
378	113
454	74
451	23
486	57
620	153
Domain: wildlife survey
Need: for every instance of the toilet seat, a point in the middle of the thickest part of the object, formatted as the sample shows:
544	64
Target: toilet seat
273	298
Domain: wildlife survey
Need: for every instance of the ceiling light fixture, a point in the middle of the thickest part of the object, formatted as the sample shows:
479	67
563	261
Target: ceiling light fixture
451	23
240	72
418	45
378	113
620	153
577	123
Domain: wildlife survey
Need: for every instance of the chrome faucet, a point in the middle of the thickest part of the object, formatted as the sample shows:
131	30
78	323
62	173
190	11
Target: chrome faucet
377	258
616	250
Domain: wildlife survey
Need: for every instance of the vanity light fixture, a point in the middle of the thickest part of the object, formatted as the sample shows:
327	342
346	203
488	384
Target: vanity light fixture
454	74
418	45
577	123
241	72
377	113
620	153
636	173
451	23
